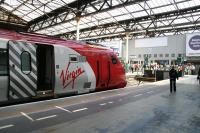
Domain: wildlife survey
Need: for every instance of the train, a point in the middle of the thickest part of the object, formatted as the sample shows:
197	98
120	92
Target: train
34	65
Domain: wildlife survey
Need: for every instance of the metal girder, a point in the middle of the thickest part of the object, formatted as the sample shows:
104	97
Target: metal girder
174	31
63	12
13	26
6	16
146	33
112	27
11	21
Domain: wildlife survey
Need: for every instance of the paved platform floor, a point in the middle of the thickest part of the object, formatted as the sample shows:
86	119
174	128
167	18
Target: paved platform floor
148	108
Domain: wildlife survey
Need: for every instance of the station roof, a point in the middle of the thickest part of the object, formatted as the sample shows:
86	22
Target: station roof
101	19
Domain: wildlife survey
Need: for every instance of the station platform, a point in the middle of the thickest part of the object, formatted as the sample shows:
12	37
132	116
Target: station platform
147	108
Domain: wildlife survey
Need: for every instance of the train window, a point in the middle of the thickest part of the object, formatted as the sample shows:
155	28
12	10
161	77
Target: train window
82	59
73	58
3	62
113	59
26	62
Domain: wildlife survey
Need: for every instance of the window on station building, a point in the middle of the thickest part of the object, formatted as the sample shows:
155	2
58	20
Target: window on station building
179	55
166	55
155	55
160	55
149	55
139	56
3	62
173	55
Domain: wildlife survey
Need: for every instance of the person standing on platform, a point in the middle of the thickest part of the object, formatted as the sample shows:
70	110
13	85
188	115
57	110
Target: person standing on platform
173	76
198	76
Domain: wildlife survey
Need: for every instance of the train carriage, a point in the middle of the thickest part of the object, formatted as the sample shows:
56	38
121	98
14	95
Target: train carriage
33	66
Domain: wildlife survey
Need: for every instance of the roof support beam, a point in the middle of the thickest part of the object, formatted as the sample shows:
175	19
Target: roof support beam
63	12
146	33
170	16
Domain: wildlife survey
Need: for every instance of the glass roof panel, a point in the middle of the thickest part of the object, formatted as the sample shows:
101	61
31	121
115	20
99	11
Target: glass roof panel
7	7
133	8
68	1
90	9
27	18
106	21
102	15
67	25
119	29
191	3
24	9
44	9
157	2
18	13
115	12
58	27
123	17
196	2
13	3
111	19
84	20
180	20
70	16
115	2
118	11
91	24
167	8
72	28
74	23
30	6
83	26
139	14
33	15
181	6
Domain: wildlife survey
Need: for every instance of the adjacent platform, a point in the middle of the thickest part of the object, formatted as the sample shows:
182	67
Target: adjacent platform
148	108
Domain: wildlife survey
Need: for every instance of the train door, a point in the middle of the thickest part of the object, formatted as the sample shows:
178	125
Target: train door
105	71
45	65
22	70
3	70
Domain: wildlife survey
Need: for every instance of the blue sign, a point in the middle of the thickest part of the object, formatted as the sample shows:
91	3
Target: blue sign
194	42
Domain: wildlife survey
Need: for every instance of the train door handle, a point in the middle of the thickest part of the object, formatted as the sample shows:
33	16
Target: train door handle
13	65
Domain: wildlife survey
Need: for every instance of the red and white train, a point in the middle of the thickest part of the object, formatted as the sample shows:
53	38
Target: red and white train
33	65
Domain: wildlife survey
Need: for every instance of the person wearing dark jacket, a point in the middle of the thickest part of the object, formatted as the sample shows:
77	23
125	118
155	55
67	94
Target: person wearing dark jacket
198	76
173	76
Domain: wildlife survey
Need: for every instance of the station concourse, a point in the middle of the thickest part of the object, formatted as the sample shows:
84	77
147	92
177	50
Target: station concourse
147	108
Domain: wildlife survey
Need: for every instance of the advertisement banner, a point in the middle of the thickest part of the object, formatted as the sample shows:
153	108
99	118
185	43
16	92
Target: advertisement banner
193	44
151	42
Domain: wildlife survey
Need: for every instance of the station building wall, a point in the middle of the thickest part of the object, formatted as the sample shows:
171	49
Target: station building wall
175	48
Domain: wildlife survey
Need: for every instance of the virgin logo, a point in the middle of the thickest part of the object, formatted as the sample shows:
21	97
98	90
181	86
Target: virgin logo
68	77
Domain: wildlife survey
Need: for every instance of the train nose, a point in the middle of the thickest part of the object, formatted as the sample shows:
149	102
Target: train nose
123	84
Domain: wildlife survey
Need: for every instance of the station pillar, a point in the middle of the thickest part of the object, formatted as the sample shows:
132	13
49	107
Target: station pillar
127	54
78	18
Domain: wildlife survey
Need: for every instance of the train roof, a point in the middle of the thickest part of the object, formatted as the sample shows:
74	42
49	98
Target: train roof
43	39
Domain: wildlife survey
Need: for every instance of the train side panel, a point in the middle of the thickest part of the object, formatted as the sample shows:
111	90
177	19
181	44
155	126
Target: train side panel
22	70
73	73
